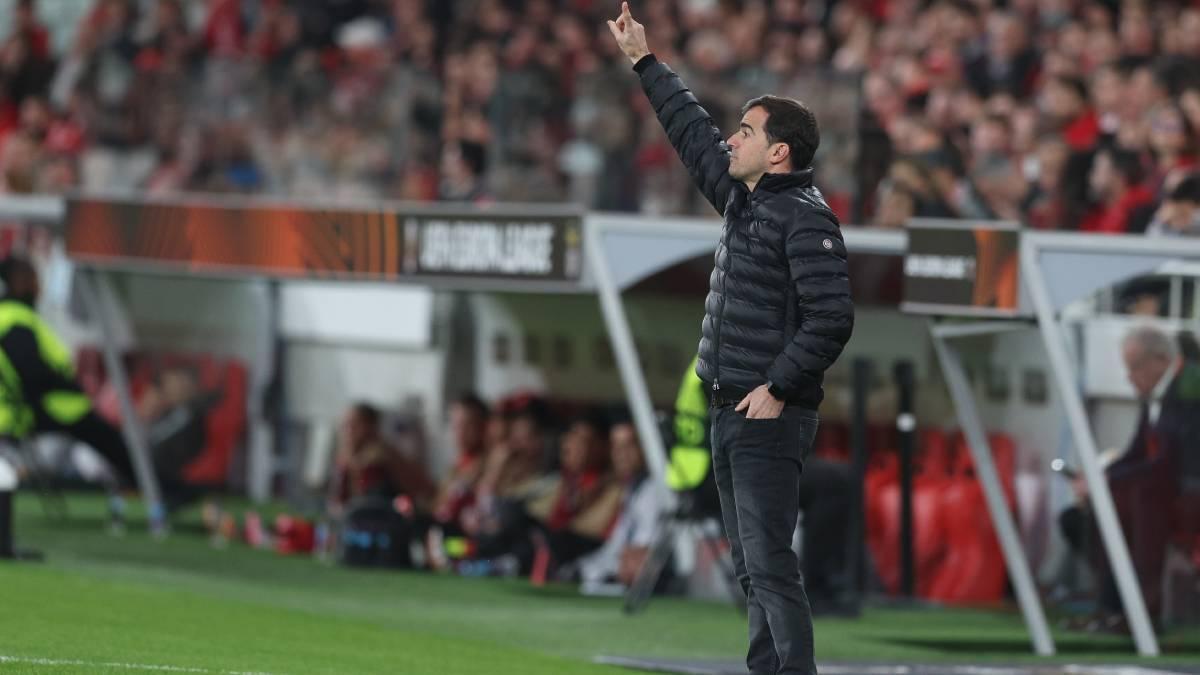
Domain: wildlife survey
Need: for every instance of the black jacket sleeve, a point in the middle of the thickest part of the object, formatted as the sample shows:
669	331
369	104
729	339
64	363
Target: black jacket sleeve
690	129
817	262
37	377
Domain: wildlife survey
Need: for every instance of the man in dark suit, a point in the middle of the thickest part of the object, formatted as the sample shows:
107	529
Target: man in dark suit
1151	481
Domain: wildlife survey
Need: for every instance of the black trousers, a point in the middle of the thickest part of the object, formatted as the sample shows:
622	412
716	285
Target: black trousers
107	440
757	465
826	498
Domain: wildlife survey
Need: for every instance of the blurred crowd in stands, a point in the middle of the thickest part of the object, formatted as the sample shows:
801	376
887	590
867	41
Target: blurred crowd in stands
1063	114
525	495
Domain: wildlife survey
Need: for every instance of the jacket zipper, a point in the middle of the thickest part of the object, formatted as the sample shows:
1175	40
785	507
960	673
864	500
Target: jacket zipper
721	315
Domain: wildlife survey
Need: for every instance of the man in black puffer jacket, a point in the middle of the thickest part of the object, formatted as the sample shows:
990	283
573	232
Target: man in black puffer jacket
777	315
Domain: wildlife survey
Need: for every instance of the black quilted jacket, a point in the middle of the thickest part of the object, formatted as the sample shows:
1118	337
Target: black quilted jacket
778	310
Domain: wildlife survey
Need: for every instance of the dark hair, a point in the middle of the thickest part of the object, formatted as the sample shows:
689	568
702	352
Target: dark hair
618	416
368	413
12	266
1126	162
1002	121
1076	85
473	403
533	409
966	7
1130	63
15	271
1188	190
593	418
789	122
474	155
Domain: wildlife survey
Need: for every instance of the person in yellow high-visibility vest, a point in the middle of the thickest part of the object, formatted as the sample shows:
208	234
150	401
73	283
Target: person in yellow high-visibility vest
38	389
689	469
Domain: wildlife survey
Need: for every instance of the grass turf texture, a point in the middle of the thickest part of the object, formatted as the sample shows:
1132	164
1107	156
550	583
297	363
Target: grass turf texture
181	603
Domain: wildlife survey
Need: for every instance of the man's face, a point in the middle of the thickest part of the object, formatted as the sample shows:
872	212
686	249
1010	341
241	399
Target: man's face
1059	101
578	447
752	155
1144	370
355	428
1102	179
178	386
525	437
1168	133
1107	89
25	15
1006	38
1180	214
466	426
495	430
626	453
989	137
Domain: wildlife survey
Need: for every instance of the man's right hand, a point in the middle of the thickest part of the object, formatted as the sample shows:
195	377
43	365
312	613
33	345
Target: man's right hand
630	35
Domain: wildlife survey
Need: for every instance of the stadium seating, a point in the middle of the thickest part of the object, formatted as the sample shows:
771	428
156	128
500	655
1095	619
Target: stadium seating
957	558
226	422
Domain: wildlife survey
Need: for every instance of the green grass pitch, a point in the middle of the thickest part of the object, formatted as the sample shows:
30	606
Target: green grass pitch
101	604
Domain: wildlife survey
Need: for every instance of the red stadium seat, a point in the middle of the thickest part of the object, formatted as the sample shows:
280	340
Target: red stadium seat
957	556
226	424
973	570
882	485
1003	456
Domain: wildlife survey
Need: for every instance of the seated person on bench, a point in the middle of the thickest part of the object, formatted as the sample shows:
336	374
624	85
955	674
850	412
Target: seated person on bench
626	548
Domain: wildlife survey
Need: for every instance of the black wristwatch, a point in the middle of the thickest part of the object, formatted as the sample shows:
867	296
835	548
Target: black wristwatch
774	390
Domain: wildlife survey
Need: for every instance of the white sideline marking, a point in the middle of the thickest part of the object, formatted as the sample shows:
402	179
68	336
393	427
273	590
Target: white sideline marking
885	669
124	666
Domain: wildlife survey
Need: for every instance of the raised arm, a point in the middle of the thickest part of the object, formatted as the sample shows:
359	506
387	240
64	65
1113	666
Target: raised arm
689	127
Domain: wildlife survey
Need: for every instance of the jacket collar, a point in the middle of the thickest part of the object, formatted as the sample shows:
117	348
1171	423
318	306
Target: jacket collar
778	182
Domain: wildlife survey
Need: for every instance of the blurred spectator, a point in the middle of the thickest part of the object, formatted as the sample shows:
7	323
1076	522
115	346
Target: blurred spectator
463	167
1172	141
174	408
1065	105
1179	214
512	474
365	467
416	100
1149	479
1044	203
626	547
1008	63
26	26
576	514
1123	203
468	420
512	464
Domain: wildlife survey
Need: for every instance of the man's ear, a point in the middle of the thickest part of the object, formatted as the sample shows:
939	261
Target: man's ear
780	153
